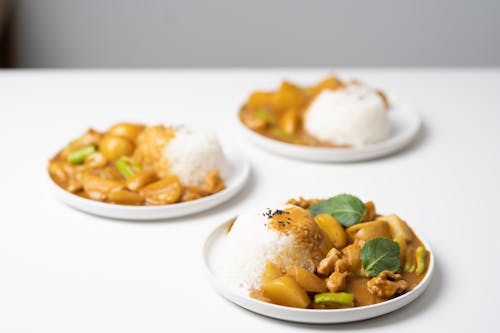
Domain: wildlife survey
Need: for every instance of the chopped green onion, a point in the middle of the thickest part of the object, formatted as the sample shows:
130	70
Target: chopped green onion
282	134
127	166
263	114
339	298
420	255
79	156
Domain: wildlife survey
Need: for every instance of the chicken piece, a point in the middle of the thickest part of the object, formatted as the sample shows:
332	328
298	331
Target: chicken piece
95	160
65	175
387	284
98	187
163	192
140	179
191	193
253	122
336	281
327	265
259	294
342	265
213	183
89	138
302	203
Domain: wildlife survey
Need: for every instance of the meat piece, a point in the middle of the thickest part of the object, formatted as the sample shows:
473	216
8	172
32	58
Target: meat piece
342	265
387	284
336	282
253	121
302	202
191	193
327	265
213	183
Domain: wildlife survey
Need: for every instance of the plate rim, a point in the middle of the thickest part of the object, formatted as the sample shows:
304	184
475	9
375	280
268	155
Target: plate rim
232	294
241	178
331	154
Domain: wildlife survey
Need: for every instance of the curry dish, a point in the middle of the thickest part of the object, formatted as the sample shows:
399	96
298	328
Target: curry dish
281	114
126	165
359	258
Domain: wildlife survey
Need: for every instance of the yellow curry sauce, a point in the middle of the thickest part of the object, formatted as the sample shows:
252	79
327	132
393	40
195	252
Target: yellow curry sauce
280	114
125	165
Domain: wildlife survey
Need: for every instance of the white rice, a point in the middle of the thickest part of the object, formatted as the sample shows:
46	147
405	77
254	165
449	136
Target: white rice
355	116
248	247
193	153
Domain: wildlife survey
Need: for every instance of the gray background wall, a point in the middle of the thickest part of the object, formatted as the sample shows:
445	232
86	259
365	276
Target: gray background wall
159	33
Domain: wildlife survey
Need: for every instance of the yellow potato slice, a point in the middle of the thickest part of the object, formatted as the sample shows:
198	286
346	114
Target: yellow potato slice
307	280
271	272
333	229
368	230
398	227
285	291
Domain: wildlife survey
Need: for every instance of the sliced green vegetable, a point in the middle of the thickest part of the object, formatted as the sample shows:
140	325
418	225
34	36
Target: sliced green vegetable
79	156
127	166
420	256
409	262
338	298
282	134
263	114
380	254
347	209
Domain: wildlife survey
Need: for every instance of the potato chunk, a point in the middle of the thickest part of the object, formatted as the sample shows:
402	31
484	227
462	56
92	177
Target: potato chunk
289	121
307	280
398	227
289	96
126	130
370	211
124	197
271	272
368	230
114	147
333	229
259	99
285	291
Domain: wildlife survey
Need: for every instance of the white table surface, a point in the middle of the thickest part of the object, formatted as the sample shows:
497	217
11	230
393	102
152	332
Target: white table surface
65	271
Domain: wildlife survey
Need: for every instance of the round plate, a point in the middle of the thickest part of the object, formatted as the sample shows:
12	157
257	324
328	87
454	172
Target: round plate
405	123
211	255
239	172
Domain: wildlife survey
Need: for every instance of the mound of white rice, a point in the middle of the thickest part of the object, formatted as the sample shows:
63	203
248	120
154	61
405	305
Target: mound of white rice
193	153
250	244
354	116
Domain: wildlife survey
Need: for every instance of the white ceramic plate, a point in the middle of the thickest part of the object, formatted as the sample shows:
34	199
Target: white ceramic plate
405	124
212	253
239	172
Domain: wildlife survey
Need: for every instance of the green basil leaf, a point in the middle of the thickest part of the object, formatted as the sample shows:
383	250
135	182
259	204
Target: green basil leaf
346	208
380	254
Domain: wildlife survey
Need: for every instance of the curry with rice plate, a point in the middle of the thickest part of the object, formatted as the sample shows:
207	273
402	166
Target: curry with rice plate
331	113
135	164
323	254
